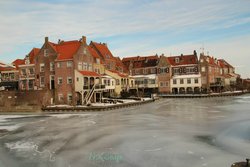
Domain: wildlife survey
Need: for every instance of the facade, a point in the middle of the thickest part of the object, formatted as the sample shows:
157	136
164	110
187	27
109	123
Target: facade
27	71
164	74
185	74
211	75
10	75
144	72
77	73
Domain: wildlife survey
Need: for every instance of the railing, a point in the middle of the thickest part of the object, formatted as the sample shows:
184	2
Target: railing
97	86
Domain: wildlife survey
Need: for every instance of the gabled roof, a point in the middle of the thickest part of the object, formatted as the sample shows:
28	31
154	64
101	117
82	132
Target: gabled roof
94	53
183	60
119	63
89	73
18	62
224	64
33	53
66	50
103	50
142	61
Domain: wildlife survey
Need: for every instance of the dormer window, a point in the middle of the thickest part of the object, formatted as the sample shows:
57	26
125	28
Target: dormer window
177	60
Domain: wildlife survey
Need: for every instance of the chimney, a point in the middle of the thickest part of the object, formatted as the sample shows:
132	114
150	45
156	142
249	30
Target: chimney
105	44
84	40
46	39
195	53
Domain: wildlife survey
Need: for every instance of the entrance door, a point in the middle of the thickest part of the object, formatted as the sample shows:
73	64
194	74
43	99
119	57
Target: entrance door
52	82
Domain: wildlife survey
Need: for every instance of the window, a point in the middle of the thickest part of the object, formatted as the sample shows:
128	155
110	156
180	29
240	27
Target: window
60	97
46	53
181	81
84	51
201	60
112	83
30	84
144	71
117	82
137	71
176	70
174	81
196	80
60	80
97	61
31	71
69	63
90	67
69	80
177	60
52	66
80	66
23	72
166	83
42	67
203	69
189	81
69	97
85	66
42	81
152	70
77	79
59	65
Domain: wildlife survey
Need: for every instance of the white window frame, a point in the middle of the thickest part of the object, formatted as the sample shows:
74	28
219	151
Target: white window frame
68	79
69	64
60	97
68	95
52	66
42	65
42	84
59	79
59	64
45	52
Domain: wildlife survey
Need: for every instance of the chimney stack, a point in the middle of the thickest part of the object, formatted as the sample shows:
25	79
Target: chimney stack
46	39
84	40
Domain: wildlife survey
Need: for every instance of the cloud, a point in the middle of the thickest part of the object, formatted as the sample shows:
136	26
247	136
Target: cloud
132	27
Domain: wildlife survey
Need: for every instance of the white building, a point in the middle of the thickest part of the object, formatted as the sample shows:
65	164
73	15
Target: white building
186	83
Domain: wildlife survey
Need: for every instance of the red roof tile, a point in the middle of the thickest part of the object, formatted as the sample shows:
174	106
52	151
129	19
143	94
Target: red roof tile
103	50
95	54
18	62
66	50
90	73
33	53
224	64
183	60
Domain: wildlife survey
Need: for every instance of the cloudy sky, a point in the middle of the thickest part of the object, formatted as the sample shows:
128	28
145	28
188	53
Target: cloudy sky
131	27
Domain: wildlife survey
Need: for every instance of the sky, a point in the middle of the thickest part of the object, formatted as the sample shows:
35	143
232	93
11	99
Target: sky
131	27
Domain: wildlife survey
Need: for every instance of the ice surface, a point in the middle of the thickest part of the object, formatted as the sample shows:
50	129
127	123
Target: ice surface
169	132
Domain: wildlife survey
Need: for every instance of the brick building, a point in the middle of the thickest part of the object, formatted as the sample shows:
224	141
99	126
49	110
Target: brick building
164	74
144	72
27	71
185	74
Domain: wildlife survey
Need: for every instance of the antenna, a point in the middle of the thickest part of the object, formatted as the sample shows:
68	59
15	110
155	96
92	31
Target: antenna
202	48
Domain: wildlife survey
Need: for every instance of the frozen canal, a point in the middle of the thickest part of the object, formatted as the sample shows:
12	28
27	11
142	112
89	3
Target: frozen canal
212	132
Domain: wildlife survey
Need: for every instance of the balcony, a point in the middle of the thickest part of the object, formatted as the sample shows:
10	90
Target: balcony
97	87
